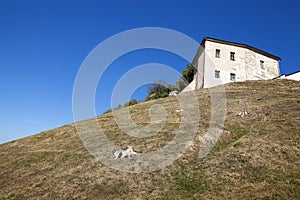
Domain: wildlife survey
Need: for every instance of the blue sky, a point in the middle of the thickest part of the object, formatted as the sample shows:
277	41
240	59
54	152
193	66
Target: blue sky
44	42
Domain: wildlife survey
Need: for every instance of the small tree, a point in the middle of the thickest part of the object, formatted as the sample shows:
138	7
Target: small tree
131	102
157	90
160	89
186	77
188	73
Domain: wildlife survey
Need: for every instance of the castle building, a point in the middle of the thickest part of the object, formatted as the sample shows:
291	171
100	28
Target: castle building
220	62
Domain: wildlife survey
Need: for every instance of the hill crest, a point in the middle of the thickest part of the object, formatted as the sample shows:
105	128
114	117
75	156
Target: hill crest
256	157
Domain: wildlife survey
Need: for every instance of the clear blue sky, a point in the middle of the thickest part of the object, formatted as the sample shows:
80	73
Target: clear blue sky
44	42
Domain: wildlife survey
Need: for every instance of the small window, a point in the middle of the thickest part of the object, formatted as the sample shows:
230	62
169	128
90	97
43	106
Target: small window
232	56
262	66
232	76
217	53
217	74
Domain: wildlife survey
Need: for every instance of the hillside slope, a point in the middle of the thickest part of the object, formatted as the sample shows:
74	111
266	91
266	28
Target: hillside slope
256	157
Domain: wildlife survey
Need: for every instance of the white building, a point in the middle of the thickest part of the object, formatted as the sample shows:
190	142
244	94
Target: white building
219	62
294	76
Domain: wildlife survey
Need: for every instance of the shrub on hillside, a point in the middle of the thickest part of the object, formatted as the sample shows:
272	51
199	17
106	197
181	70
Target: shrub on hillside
157	90
129	103
186	78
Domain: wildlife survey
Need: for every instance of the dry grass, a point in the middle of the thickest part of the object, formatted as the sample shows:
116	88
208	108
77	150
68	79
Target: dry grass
257	156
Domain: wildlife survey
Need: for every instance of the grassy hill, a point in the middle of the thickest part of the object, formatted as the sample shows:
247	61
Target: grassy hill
256	157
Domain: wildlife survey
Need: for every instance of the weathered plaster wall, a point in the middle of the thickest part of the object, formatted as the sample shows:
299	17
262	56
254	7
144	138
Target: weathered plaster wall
223	64
198	62
246	65
253	69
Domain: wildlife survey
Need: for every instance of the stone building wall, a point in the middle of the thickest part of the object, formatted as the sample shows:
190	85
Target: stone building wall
247	65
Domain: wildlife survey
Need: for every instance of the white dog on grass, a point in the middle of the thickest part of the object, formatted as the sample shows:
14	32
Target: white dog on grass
243	113
127	151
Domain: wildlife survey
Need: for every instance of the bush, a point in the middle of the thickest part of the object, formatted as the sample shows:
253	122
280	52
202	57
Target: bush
186	77
188	73
131	102
157	90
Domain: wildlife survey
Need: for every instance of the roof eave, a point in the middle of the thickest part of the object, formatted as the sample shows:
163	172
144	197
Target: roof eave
239	45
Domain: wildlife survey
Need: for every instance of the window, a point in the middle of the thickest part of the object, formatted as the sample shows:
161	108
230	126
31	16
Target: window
262	64
217	53
232	76
217	74
232	56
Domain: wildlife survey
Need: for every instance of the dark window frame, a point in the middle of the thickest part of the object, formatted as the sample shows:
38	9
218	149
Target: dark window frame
217	73
218	53
232	56
261	64
232	77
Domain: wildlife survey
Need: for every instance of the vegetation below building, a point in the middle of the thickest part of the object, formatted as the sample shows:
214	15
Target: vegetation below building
256	157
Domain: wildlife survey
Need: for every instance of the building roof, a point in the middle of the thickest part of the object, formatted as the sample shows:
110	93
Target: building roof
240	45
285	75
